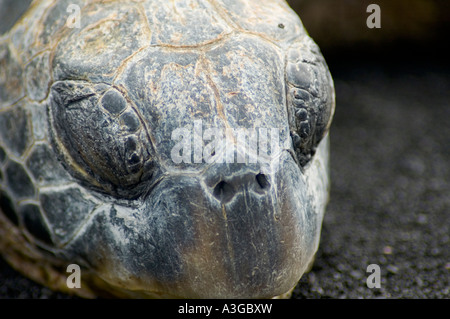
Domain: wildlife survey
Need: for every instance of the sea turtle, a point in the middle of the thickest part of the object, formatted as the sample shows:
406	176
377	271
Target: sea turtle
125	146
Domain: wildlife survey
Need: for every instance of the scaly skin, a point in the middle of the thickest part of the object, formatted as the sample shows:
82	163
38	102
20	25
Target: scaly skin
87	171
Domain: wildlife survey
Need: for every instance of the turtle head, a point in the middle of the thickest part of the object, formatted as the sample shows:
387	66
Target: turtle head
208	167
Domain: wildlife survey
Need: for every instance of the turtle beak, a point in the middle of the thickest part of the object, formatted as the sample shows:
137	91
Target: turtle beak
231	231
234	231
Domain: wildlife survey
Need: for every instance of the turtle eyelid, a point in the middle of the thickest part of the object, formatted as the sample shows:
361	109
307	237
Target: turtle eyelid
310	98
99	137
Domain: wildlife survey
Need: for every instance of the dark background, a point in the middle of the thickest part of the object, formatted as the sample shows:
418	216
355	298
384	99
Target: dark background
390	153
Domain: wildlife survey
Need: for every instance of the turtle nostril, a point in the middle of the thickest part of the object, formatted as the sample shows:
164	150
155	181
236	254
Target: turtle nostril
223	192
262	181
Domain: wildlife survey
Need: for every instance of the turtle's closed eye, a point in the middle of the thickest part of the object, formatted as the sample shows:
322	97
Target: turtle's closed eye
99	137
310	98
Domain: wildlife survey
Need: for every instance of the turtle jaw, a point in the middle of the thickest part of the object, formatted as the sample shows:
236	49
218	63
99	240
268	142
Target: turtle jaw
252	239
240	234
